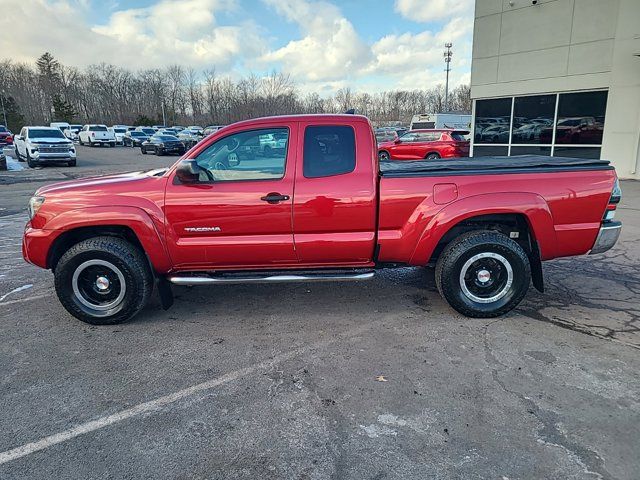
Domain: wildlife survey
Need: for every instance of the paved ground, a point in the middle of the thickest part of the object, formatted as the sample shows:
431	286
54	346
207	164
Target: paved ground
280	381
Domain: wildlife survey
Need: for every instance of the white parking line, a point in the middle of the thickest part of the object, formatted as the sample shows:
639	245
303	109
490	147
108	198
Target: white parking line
27	299
156	404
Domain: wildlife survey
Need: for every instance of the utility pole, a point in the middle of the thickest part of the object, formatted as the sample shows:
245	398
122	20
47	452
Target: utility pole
164	121
447	61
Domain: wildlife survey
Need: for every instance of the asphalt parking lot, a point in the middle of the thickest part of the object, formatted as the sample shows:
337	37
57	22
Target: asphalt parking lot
310	381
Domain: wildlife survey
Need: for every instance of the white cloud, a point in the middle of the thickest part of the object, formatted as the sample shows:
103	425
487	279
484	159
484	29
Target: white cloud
183	30
330	49
429	10
417	59
168	32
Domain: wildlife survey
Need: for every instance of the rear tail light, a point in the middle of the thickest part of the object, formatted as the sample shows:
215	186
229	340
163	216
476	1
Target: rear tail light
614	200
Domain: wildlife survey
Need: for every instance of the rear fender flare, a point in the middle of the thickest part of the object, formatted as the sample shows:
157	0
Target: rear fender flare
534	208
134	218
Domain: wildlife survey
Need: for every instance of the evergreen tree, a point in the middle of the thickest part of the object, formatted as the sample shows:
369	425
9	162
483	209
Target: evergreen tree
62	110
49	77
15	120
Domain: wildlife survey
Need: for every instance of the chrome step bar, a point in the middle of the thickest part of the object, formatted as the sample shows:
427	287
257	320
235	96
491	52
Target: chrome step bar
280	278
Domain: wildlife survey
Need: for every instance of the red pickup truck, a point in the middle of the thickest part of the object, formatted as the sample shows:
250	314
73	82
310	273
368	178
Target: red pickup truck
316	206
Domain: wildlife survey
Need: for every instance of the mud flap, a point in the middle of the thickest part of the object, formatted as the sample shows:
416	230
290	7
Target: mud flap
166	294
536	268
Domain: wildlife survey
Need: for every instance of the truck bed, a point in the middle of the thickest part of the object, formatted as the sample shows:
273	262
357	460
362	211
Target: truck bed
489	165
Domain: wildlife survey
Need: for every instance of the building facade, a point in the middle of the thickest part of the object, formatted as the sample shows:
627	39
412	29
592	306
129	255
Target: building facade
558	77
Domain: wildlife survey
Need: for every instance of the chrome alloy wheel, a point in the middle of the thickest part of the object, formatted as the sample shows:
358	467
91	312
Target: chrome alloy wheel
486	277
99	287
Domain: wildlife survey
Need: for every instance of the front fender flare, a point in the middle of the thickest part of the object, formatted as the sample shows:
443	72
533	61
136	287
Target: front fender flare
138	220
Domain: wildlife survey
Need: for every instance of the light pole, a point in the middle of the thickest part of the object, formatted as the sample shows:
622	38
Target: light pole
447	61
4	113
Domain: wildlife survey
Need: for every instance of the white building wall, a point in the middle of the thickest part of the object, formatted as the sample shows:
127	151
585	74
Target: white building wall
565	45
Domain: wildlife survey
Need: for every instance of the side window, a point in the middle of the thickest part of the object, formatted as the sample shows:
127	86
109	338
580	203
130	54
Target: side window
250	155
23	132
329	150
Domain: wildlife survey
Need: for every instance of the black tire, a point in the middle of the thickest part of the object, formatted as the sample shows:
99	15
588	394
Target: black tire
142	150
383	155
122	264
267	151
71	163
432	156
20	159
30	162
159	152
493	247
112	144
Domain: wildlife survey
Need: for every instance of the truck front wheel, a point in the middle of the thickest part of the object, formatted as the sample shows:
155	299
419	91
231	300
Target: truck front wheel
103	280
483	274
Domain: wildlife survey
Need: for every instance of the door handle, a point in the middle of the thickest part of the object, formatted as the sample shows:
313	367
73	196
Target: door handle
274	197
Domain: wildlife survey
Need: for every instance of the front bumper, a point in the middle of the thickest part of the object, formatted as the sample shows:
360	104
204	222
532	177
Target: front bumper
36	244
39	157
607	237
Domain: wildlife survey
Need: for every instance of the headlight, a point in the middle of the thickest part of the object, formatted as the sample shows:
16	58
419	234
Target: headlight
34	205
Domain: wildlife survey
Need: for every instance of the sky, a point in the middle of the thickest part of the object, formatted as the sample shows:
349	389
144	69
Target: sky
369	46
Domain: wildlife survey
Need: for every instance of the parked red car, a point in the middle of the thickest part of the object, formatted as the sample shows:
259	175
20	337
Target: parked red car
429	144
6	137
320	208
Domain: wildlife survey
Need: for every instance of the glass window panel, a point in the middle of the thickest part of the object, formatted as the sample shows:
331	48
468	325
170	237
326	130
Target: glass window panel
492	120
250	155
581	117
533	119
530	150
577	152
328	150
489	151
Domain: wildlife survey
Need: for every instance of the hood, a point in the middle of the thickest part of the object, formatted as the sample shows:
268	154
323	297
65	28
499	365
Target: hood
92	183
36	141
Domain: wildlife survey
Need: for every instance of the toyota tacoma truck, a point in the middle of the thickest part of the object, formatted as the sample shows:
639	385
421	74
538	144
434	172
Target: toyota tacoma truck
322	208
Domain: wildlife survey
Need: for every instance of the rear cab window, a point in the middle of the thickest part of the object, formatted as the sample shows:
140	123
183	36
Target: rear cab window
328	150
97	128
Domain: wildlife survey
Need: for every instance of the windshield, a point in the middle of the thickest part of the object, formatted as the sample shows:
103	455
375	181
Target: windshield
120	130
3	128
569	123
137	134
45	133
166	138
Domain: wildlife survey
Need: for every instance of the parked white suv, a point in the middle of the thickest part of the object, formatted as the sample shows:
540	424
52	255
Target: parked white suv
119	131
96	135
41	145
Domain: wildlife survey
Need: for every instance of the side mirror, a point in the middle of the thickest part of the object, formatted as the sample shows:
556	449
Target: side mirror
397	140
188	172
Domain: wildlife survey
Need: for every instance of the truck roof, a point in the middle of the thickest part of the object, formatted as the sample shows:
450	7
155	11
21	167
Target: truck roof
342	117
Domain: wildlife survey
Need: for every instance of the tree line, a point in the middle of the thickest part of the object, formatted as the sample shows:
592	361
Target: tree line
48	91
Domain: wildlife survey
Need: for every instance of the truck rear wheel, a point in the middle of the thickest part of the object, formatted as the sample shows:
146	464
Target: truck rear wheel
483	274
103	280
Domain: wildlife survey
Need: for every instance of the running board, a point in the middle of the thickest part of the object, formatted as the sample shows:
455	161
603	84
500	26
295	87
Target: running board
269	278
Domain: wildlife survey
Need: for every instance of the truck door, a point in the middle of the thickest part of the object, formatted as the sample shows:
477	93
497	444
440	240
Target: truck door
335	203
239	212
